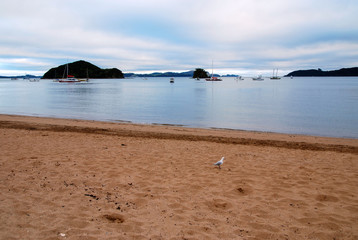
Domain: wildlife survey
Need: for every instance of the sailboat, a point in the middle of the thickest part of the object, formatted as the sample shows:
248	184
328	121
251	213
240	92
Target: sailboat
259	78
212	78
275	77
69	78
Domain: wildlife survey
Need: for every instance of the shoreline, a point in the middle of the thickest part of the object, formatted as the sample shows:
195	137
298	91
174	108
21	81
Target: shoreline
167	131
77	179
182	126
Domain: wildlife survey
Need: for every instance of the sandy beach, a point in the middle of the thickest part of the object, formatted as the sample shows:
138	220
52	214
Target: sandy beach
74	179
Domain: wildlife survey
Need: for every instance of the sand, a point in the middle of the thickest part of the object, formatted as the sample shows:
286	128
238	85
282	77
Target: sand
72	179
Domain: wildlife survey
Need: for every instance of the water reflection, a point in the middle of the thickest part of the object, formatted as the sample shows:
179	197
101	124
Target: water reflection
317	106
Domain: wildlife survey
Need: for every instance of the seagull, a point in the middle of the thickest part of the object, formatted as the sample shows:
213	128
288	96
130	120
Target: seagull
219	163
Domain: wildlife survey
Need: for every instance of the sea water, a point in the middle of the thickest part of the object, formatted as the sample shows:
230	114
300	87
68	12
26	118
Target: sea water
322	106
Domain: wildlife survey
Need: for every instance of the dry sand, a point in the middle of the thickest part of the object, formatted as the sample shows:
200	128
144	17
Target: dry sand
71	179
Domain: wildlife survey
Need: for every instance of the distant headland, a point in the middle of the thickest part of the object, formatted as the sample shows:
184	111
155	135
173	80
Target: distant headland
83	69
198	73
160	74
344	72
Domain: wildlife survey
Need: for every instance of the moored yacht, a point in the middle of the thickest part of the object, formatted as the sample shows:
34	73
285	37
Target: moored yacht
259	78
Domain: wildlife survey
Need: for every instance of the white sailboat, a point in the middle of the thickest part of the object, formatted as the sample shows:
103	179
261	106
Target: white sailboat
275	77
69	78
212	78
259	78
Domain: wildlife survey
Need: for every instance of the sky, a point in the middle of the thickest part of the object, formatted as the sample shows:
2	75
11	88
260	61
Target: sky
246	37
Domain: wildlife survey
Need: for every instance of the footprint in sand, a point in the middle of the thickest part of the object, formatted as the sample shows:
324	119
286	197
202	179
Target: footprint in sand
114	218
326	198
218	204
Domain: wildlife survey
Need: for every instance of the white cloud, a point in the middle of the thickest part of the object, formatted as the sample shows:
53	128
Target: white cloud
21	61
179	34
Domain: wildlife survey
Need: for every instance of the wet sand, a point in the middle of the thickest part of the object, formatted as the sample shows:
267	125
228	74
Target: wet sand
72	179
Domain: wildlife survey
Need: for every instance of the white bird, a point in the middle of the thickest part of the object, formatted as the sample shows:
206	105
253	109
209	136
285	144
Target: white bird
219	163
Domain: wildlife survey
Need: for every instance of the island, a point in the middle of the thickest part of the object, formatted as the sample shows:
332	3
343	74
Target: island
82	69
344	72
200	73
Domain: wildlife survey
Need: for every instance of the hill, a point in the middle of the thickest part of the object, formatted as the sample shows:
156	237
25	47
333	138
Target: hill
21	76
83	69
344	72
200	73
160	74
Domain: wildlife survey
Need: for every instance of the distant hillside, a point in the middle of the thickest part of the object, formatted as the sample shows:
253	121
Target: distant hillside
159	74
21	76
82	69
189	74
344	72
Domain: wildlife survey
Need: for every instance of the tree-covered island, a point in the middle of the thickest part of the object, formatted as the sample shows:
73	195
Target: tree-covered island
200	73
82	69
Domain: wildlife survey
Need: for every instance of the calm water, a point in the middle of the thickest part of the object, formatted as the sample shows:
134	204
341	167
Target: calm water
314	106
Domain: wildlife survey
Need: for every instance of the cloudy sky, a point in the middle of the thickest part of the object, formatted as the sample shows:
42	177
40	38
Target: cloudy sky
247	37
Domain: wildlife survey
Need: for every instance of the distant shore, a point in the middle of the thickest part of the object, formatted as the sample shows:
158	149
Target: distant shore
343	72
72	179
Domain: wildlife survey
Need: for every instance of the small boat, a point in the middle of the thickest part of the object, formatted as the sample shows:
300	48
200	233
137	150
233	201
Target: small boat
171	80
239	78
274	76
69	79
212	78
259	78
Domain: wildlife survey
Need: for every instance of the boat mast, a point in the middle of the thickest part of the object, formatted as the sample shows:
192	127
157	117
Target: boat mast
212	69
64	72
